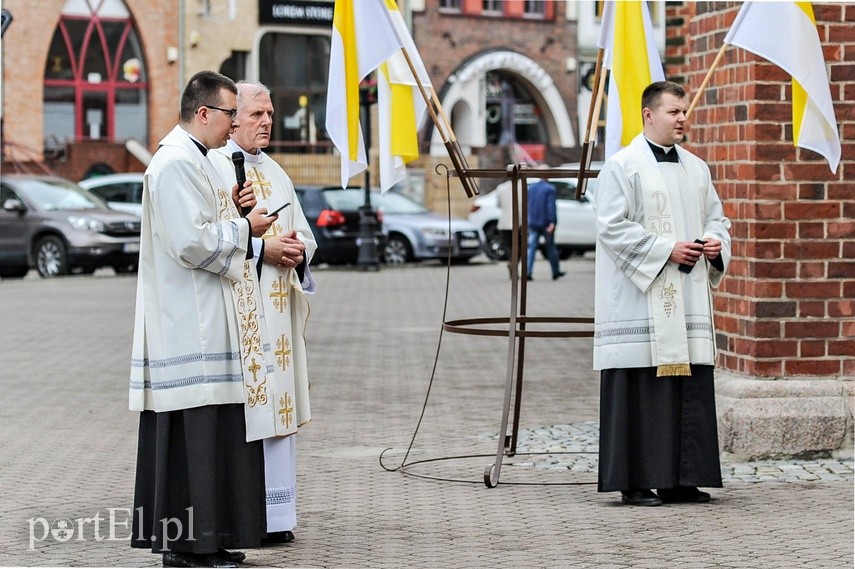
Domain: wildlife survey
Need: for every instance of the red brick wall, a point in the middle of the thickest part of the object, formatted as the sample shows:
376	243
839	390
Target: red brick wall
786	308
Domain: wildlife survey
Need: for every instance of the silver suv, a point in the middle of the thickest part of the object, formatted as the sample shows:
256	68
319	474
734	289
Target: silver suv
55	226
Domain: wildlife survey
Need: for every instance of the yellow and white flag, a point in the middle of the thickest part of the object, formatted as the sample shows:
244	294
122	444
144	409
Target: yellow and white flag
626	35
362	39
400	104
784	33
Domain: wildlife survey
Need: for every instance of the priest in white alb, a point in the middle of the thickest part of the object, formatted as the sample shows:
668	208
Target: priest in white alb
662	242
285	251
201	361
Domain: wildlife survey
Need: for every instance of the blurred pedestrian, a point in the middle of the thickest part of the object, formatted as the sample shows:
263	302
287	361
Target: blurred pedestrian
196	352
285	278
542	218
662	241
505	223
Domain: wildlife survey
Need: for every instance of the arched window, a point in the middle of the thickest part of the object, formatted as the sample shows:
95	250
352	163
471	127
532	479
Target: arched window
95	76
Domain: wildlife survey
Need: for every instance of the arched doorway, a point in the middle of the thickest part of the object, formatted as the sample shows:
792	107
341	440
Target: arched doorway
95	84
513	101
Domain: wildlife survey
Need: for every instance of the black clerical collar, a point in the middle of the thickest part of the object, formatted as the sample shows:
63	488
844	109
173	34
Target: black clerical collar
663	155
200	146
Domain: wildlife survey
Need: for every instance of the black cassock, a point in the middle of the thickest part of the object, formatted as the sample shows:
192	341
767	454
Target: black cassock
657	432
198	458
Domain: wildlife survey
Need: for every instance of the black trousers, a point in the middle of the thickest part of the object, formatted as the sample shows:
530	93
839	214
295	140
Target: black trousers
657	432
199	484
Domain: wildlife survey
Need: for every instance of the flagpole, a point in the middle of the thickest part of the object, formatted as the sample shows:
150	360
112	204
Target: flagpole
590	130
598	103
597	71
458	159
706	80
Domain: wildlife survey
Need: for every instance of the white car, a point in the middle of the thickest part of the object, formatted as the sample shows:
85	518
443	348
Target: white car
575	231
122	192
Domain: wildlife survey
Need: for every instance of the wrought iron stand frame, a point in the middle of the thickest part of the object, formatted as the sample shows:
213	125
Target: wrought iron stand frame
518	318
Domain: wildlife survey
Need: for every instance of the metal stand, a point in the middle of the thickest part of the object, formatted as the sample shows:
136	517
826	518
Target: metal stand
517	319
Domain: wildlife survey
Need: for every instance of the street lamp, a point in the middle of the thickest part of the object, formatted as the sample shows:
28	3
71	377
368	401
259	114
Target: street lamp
367	259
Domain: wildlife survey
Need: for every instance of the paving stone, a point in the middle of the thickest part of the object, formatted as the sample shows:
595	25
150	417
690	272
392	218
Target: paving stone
68	444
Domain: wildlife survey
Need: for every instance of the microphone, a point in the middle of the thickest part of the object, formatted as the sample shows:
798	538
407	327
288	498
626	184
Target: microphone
240	174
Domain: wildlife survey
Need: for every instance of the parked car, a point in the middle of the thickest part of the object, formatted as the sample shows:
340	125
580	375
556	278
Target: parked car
122	192
575	231
333	214
414	232
55	226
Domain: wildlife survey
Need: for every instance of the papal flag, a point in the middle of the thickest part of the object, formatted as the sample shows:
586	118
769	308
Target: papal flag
362	39
400	104
785	34
626	35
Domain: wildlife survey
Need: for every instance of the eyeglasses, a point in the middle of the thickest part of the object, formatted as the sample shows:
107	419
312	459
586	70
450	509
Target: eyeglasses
231	112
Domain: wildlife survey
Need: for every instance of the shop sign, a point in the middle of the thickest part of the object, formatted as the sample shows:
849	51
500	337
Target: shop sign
295	12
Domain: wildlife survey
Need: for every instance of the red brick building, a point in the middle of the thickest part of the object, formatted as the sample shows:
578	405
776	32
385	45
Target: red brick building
92	72
784	314
505	71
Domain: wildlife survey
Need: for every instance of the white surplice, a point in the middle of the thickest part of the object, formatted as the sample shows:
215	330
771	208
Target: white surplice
630	257
286	312
186	336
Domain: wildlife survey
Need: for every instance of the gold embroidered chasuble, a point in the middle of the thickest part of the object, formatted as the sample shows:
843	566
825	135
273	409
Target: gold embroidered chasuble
284	307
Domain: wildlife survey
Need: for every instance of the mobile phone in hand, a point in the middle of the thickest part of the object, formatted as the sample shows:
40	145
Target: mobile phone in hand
277	210
688	268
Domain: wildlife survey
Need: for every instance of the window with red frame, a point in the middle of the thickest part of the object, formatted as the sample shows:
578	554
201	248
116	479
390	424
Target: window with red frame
95	84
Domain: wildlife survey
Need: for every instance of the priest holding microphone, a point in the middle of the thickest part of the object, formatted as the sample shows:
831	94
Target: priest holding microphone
200	355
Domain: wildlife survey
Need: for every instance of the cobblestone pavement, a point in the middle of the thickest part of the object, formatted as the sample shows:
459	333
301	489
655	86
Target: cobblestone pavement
574	448
67	449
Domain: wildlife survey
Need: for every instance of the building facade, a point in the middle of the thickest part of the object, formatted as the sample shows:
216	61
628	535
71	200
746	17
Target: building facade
81	77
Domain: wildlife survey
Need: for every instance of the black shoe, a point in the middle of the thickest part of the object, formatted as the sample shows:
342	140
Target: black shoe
683	495
233	556
278	537
531	278
175	559
640	497
558	275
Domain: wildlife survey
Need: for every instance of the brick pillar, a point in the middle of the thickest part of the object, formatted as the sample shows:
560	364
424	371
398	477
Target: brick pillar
784	314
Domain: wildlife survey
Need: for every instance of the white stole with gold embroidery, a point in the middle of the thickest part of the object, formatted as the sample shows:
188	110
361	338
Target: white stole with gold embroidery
665	296
286	309
257	359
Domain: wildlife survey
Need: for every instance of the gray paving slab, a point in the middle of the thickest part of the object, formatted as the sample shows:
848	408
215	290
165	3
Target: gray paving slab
68	442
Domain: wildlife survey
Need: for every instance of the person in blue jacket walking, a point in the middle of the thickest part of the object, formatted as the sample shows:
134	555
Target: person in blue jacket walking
542	217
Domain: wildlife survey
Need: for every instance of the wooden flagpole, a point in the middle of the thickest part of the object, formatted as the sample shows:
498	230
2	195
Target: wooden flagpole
706	80
590	129
595	95
458	159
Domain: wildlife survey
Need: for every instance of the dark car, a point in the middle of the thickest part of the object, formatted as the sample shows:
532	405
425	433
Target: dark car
333	214
55	226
